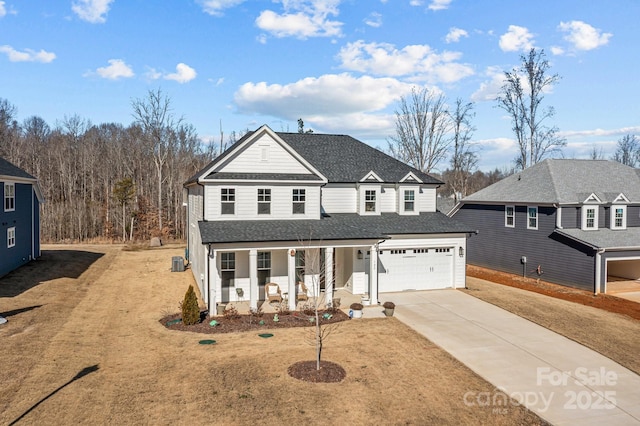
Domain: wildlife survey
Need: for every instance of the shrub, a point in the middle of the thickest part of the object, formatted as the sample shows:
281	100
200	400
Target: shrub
356	306
389	305
231	313
283	308
189	307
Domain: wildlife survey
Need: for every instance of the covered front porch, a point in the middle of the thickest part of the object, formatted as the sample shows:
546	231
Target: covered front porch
302	273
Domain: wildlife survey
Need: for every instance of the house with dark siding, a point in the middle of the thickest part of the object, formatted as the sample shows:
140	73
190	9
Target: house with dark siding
19	217
570	222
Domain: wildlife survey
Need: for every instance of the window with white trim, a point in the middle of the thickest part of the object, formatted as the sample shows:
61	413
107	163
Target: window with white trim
228	200
589	218
299	199
264	201
9	197
509	216
532	217
409	200
370	200
227	261
618	217
11	237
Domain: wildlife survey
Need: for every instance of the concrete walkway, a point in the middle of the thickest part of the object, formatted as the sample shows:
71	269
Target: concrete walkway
557	378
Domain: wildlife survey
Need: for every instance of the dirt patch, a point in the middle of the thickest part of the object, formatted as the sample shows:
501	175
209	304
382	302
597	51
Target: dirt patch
614	335
601	301
329	372
93	352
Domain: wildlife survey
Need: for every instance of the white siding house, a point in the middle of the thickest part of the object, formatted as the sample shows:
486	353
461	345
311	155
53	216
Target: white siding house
325	210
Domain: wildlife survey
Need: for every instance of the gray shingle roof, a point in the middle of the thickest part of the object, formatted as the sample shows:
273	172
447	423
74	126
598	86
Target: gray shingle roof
564	182
605	238
340	158
8	169
347	226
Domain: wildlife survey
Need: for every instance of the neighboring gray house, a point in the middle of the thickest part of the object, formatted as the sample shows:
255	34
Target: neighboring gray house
314	208
571	222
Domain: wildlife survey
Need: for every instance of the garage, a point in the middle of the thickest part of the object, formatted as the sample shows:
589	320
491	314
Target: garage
623	275
415	269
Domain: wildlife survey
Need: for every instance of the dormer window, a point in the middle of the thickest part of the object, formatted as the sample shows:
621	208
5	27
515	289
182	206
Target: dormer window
409	200
618	217
370	201
589	218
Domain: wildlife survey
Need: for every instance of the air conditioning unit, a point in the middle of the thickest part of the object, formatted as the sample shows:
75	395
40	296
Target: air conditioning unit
177	264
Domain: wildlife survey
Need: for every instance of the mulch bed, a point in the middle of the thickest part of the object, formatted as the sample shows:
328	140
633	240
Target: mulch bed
601	301
329	372
247	322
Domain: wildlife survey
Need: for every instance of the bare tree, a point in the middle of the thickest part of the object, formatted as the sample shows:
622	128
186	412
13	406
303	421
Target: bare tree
627	151
422	130
124	192
596	153
521	97
464	159
154	115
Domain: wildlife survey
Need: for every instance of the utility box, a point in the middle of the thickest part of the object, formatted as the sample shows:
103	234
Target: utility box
177	264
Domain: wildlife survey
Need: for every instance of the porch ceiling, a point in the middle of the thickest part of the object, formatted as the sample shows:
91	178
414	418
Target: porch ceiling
330	227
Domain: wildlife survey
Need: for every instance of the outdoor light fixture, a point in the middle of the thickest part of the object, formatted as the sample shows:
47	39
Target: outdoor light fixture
359	254
461	252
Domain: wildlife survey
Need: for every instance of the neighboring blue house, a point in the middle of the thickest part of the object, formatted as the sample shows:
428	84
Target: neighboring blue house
571	222
19	217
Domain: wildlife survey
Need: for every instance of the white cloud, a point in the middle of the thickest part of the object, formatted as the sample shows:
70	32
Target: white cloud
439	4
328	96
27	55
217	7
583	36
455	34
374	20
302	19
184	73
93	11
152	74
3	9
419	62
116	70
599	132
416	3
489	89
516	38
557	50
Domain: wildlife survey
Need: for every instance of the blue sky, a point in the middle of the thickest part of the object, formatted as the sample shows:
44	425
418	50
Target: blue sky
342	66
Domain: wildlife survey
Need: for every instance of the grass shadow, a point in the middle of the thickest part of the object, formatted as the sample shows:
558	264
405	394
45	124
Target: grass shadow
18	311
85	371
53	264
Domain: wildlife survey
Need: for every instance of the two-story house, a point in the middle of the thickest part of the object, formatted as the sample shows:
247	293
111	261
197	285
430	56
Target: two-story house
19	217
325	210
571	222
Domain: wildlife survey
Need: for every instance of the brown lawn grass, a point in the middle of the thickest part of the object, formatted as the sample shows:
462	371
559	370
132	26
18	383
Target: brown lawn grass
97	307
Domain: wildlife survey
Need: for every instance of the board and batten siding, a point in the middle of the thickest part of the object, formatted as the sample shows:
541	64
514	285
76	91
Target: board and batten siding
499	247
246	203
264	156
340	198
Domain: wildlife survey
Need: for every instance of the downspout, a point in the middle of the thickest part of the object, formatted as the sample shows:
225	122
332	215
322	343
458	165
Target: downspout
558	216
207	279
33	226
598	261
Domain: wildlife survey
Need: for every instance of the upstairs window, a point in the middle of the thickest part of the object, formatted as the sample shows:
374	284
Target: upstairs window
532	218
11	237
409	200
618	217
509	216
228	200
299	198
590	217
370	200
9	197
264	201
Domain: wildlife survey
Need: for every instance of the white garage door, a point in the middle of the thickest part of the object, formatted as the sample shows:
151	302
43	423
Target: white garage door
415	269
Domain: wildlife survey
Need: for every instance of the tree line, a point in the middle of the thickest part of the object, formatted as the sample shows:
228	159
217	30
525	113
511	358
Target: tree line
108	181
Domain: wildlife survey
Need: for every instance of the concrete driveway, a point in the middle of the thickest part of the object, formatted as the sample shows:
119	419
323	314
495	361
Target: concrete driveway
562	381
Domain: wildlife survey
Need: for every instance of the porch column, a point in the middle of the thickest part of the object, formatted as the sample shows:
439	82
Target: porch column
253	279
328	275
373	274
291	273
211	275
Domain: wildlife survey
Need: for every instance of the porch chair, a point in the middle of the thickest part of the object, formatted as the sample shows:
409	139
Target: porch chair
301	292
272	291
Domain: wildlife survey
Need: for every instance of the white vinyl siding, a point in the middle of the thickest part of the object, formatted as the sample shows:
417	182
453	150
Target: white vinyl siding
264	156
340	199
246	206
388	200
426	199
